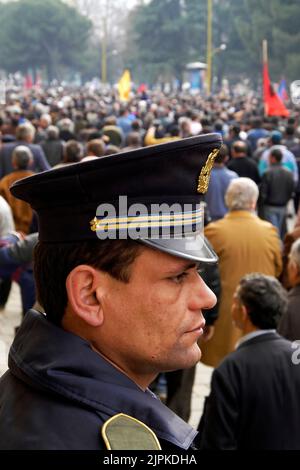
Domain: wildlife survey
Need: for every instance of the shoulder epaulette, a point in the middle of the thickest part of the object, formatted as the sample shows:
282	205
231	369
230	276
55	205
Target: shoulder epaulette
123	432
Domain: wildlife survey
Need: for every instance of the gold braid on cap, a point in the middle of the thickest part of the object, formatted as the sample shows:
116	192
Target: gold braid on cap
94	224
204	176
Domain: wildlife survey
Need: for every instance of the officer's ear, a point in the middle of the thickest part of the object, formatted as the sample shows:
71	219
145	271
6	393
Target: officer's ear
84	291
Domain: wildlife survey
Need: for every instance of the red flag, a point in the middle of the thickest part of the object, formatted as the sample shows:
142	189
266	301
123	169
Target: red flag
273	104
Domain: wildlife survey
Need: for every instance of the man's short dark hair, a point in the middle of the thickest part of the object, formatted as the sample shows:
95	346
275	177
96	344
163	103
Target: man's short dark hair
264	298
276	154
235	129
96	146
73	152
256	123
53	263
133	138
290	130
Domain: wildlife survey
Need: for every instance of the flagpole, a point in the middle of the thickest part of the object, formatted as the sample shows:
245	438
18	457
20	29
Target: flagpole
265	51
265	65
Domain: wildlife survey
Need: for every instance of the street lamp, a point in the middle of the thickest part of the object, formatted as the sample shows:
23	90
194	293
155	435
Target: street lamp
222	47
213	52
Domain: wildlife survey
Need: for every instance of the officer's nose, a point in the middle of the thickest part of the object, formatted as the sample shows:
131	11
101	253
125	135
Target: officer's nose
202	297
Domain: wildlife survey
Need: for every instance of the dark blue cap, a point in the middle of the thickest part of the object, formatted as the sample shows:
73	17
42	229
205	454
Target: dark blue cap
151	194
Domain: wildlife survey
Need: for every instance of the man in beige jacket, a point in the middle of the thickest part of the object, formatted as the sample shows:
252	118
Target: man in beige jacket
244	244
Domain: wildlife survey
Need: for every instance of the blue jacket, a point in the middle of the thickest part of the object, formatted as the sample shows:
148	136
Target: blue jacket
39	163
58	392
220	179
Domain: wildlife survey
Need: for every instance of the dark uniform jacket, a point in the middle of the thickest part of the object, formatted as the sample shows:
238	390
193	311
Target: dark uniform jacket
58	392
254	401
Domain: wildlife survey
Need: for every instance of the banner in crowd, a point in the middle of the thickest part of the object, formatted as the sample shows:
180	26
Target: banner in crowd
124	86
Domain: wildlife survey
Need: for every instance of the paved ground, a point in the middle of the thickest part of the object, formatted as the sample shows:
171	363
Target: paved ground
11	317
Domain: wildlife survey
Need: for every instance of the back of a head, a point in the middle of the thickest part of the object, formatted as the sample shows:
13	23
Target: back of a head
66	124
52	133
45	120
264	298
123	111
22	157
96	147
276	155
218	126
276	137
110	121
136	125
290	131
256	123
235	130
25	132
241	194
133	139
73	152
239	148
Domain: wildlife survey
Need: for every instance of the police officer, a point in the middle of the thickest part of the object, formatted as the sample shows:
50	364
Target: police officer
116	270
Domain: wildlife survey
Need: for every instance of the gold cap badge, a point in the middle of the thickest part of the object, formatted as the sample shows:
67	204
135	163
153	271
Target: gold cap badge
204	176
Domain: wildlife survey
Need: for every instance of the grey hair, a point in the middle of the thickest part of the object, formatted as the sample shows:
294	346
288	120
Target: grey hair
66	124
25	130
47	118
241	194
295	253
22	157
52	132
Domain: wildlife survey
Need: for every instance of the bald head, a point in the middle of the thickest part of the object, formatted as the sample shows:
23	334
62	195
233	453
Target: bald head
239	149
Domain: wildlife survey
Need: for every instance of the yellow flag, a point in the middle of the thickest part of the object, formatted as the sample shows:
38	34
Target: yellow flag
124	86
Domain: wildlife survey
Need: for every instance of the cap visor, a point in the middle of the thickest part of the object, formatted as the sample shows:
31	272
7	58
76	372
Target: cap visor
193	247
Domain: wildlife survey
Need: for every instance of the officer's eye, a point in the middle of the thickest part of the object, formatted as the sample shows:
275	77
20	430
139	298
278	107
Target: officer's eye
180	278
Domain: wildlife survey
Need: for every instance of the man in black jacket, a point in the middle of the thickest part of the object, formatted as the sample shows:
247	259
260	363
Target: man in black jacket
276	189
254	399
241	164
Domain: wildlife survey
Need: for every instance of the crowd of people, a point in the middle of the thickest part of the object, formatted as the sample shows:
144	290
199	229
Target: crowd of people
254	192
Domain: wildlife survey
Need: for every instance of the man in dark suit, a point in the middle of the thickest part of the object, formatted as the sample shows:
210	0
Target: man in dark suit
254	400
243	165
25	136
